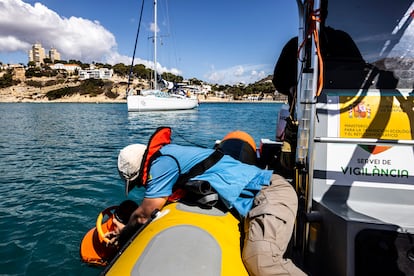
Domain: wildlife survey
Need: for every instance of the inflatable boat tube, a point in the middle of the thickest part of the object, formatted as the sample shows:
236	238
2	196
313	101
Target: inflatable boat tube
183	240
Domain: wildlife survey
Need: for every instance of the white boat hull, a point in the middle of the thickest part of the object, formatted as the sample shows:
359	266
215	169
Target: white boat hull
137	103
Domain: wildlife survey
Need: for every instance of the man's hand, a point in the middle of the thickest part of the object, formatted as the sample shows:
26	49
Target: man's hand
113	238
137	219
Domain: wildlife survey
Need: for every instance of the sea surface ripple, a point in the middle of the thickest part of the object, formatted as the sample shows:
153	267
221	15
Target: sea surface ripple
58	170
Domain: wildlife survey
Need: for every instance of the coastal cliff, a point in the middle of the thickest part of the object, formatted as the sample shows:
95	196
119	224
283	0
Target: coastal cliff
46	90
42	92
23	93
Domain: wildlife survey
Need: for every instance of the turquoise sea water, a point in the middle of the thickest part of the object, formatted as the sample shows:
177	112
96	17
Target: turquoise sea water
58	170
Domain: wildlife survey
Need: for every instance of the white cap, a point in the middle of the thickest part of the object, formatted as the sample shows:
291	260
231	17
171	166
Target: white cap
129	163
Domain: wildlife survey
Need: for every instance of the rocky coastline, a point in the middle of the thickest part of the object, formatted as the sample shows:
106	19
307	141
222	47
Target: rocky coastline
23	93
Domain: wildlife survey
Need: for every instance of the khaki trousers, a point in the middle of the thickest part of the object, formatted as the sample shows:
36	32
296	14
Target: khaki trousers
268	229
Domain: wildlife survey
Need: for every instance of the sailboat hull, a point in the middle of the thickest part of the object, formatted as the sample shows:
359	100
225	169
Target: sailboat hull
138	103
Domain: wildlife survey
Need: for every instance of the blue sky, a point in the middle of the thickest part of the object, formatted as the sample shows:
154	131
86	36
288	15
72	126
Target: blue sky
217	41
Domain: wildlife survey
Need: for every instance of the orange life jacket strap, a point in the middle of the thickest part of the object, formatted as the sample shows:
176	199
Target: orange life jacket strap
177	195
160	138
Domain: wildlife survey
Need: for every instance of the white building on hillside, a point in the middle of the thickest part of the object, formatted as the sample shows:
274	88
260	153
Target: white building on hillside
101	73
70	68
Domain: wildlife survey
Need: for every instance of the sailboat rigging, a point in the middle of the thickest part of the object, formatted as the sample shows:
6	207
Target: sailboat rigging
135	48
155	99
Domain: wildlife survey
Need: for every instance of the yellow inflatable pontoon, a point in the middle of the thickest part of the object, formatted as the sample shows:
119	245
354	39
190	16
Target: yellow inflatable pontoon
183	240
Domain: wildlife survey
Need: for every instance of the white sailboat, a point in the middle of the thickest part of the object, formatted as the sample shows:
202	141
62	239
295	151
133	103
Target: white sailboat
155	99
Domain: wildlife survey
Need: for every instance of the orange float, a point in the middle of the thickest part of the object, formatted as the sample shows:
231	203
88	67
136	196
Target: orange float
94	249
240	145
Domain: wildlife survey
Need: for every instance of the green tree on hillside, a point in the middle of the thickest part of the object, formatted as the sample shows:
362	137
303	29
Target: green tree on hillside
195	81
33	72
171	77
236	92
120	69
142	72
73	61
47	61
7	80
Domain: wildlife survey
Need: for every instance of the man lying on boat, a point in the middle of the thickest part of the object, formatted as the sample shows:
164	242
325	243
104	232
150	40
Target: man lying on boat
265	201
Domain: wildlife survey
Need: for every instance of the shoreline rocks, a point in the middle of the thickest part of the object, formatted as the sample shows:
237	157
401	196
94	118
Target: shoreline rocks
22	93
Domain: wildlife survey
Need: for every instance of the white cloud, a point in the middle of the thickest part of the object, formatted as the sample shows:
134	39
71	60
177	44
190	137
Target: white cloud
154	28
10	44
114	58
74	37
239	71
237	74
22	25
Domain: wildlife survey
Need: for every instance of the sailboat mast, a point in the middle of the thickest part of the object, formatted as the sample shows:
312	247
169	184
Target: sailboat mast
155	44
